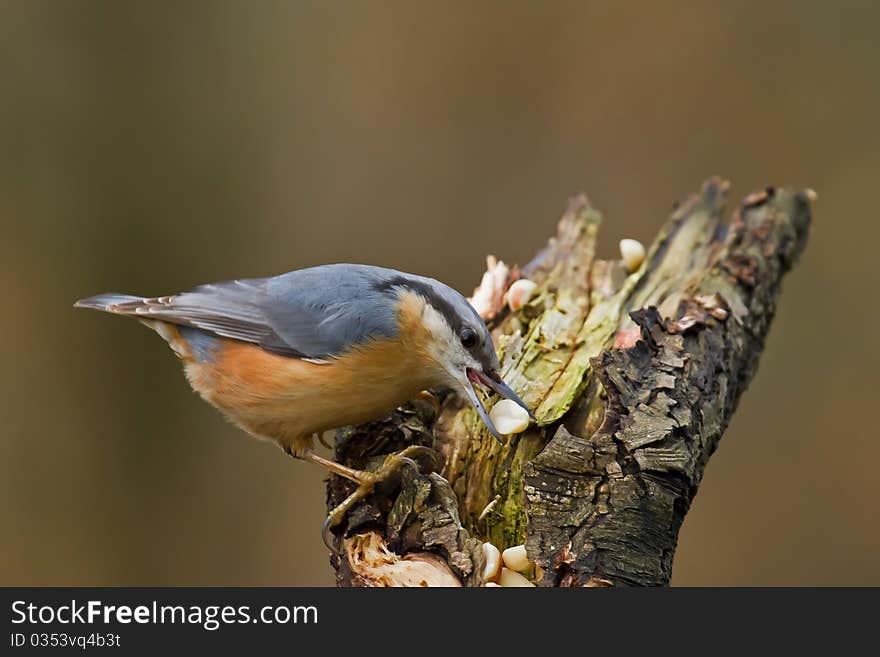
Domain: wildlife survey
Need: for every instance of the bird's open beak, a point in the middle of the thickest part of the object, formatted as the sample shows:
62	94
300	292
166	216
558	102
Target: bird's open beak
494	382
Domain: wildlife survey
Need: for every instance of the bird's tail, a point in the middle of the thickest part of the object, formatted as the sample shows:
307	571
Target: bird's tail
111	302
126	304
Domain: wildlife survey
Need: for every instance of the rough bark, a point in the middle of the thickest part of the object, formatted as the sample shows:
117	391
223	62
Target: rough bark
633	378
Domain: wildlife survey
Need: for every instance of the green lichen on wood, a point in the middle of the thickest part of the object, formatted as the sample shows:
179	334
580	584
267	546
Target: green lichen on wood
546	350
615	513
535	345
533	361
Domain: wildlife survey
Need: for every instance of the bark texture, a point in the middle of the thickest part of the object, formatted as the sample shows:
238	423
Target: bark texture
633	378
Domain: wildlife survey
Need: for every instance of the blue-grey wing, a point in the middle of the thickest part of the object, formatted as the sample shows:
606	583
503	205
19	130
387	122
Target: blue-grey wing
322	311
315	313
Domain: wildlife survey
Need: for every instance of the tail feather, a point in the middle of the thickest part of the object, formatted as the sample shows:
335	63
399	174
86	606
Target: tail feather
126	304
111	302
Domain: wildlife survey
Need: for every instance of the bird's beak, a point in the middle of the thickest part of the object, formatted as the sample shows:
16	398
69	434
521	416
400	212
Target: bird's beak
494	382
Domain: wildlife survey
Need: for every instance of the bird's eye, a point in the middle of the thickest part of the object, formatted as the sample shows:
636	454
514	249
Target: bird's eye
468	338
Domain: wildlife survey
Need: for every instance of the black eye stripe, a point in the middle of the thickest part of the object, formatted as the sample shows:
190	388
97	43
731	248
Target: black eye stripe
439	303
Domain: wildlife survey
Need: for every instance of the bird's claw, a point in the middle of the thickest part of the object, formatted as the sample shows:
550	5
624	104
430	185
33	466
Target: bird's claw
367	481
430	398
328	536
323	441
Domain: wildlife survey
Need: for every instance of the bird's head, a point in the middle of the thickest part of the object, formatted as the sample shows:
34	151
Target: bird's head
457	344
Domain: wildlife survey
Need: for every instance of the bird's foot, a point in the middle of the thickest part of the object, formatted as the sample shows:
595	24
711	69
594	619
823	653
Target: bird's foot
367	481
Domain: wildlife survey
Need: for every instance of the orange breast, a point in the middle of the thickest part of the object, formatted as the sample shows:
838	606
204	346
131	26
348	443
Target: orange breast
283	398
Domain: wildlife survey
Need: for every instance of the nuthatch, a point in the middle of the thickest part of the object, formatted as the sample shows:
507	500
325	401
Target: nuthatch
293	355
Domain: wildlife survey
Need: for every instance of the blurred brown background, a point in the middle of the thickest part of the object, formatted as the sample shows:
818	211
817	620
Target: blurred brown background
149	147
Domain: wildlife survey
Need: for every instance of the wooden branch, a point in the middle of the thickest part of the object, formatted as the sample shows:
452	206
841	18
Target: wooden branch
633	378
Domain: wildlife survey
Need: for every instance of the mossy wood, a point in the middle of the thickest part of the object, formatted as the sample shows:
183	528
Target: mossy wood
633	378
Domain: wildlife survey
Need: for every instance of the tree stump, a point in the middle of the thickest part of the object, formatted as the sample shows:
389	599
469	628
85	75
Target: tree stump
633	378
